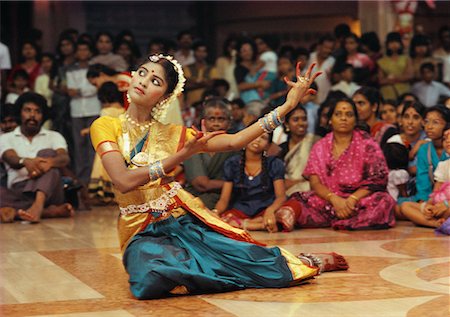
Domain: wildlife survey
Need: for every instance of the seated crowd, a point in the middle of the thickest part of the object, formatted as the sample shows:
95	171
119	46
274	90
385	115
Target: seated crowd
372	145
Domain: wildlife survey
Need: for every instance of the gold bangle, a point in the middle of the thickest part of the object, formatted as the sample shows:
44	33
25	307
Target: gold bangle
329	195
354	197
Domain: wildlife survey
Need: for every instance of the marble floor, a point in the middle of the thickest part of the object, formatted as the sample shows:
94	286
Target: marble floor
72	267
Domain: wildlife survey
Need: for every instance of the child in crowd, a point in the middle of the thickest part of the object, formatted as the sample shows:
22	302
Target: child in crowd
397	160
20	84
254	188
436	210
388	111
346	84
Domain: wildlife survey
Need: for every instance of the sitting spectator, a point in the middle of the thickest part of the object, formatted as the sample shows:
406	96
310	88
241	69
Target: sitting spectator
222	88
104	46
253	189
278	88
312	108
100	186
436	210
225	65
295	151
204	171
420	53
346	84
396	155
200	75
429	90
20	81
368	100
8	122
29	62
237	115
388	111
252	111
348	176
431	153
401	101
33	156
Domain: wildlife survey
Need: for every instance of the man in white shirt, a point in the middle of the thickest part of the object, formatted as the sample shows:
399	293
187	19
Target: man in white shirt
185	54
324	63
5	64
33	156
428	90
84	109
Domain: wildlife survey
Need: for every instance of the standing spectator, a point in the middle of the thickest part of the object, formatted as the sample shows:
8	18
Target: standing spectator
105	55
29	61
420	53
443	53
388	111
225	66
266	46
370	45
5	64
84	109
395	69
125	49
199	75
237	115
346	83
185	55
33	156
428	90
324	63
49	69
278	87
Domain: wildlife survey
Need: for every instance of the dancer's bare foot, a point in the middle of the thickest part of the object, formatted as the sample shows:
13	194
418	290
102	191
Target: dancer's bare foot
7	214
32	214
59	211
327	261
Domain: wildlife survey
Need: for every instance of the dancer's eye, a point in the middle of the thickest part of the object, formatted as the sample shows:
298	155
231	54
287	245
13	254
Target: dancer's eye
141	73
156	82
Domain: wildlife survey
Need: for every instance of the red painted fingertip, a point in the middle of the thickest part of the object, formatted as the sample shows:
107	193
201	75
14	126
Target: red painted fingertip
312	91
286	80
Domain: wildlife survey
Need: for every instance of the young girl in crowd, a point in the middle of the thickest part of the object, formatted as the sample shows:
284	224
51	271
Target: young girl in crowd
388	111
254	188
436	210
19	85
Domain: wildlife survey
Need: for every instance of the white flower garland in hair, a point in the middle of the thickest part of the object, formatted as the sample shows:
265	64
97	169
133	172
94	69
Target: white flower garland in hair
159	111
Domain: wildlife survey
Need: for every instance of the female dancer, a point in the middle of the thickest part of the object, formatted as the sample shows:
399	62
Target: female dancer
171	243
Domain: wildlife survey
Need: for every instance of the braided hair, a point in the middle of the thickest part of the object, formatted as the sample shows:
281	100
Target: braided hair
265	181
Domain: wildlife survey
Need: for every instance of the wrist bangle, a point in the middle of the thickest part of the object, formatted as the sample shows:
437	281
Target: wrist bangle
354	197
156	171
329	196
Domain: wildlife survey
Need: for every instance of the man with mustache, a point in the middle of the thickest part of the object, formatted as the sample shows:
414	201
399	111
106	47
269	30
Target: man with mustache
33	156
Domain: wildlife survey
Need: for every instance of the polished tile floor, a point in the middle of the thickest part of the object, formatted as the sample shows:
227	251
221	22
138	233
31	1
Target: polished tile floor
72	267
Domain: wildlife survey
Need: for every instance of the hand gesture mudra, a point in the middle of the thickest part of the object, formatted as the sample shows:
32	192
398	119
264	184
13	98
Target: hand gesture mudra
300	88
198	144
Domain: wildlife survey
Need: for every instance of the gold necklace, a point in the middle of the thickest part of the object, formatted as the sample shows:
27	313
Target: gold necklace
142	127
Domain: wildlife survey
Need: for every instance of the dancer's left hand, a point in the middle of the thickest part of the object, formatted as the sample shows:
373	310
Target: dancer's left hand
270	222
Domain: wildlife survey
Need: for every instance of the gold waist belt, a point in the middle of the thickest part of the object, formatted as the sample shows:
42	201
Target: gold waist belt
159	205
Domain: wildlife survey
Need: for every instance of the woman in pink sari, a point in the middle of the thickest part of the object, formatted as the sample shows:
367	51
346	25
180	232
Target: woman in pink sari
348	176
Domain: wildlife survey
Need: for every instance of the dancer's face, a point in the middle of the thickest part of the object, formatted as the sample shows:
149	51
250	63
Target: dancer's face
148	85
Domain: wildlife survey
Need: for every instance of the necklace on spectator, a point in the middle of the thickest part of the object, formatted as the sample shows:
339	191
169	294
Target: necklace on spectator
142	127
251	176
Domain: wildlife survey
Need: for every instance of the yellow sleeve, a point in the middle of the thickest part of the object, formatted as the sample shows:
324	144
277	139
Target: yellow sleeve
213	73
104	132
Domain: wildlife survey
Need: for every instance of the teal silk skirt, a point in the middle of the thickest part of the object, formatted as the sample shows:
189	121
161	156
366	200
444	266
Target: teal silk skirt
184	254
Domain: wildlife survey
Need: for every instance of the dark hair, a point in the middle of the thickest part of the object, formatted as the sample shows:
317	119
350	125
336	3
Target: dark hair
397	156
442	30
393	37
104	33
442	110
198	44
239	102
68	33
242	42
300	51
371	94
391	102
420	108
54	69
109	93
131	46
230	39
334	103
86	37
81	42
8	110
289	115
371	40
340	68
341	30
419	40
428	66
221	103
287	51
157	41
183	33
61	39
20	73
326	38
95	70
36	48
402	97
271	41
37	99
170	72
220	83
